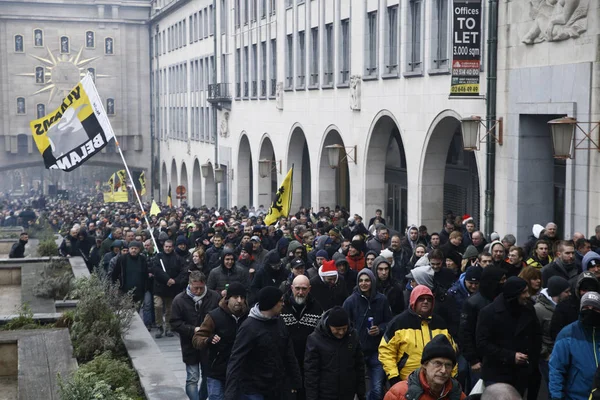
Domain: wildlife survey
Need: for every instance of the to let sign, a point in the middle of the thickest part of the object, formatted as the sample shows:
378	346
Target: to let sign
466	47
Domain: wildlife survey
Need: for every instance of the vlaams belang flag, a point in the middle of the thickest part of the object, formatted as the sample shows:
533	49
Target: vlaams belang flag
75	131
283	200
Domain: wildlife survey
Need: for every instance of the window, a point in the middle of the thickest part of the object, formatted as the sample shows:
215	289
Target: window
183	33
246	11
41	110
314	57
440	35
263	69
254	71
18	43
38	38
206	23
39	75
329	54
246	71
238	63
238	4
273	7
253	10
223	17
211	20
289	62
21	106
89	40
371	45
288	3
345	51
263	8
413	55
391	45
201	25
301	70
191	25
273	66
110	106
64	45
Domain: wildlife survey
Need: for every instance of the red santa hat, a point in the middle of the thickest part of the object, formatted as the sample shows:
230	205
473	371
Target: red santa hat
220	223
466	218
328	269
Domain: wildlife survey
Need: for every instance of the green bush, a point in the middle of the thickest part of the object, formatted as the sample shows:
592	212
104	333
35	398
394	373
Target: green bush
47	248
116	373
103	315
23	321
88	386
56	280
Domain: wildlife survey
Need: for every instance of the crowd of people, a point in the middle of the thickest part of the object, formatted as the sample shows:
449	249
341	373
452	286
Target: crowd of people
322	305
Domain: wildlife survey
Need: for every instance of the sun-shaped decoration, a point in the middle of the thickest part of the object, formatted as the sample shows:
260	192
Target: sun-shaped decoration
62	72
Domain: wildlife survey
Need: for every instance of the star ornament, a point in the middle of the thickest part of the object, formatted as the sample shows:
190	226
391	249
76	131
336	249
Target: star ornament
62	72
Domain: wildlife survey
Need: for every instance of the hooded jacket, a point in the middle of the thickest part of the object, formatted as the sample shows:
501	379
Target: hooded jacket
544	308
362	306
417	388
266	276
356	263
408	244
405	338
559	268
219	277
391	288
329	296
334	369
590	255
453	303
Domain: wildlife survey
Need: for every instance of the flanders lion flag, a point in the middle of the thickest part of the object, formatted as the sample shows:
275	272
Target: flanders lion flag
169	197
75	131
283	199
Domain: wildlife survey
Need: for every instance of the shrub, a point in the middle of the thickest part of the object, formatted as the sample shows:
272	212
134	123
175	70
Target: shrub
23	321
47	248
116	373
55	281
88	386
103	315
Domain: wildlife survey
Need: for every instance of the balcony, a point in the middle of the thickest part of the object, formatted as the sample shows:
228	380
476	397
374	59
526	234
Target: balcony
219	93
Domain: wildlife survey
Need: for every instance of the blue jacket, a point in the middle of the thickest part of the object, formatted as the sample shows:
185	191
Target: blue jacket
360	308
573	362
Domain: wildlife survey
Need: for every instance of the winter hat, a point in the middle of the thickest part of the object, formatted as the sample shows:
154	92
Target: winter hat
536	230
513	287
470	252
236	289
181	240
163	236
591	299
255	239
117	243
337	317
423	275
357	244
455	257
466	218
495	243
322	253
248	248
440	347
268	297
328	269
273	259
387	253
590	259
494	236
473	274
297	263
135	243
557	285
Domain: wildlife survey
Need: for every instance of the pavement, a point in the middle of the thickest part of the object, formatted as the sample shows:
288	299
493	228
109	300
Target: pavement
171	351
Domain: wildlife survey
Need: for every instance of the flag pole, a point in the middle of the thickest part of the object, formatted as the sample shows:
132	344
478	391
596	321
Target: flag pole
139	202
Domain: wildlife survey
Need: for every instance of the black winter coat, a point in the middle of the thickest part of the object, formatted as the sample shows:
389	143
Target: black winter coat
185	317
262	359
328	296
334	369
266	276
175	269
128	280
17	250
565	312
501	334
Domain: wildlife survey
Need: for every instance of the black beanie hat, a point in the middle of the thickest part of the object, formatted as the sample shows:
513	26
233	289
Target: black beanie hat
357	244
337	317
440	347
273	259
236	289
248	247
557	285
268	297
513	287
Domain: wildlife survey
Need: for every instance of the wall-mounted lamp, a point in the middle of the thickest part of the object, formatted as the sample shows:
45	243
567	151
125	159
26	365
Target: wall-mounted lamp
266	166
563	136
333	154
204	169
470	132
219	175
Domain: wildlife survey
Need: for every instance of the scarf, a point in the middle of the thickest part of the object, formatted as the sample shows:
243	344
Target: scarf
197	299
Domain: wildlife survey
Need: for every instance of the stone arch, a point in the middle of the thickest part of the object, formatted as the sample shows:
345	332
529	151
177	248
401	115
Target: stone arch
164	182
299	156
449	174
210	188
267	186
334	183
196	190
183	181
245	175
386	185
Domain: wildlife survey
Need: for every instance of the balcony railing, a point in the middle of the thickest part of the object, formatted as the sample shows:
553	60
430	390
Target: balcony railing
219	92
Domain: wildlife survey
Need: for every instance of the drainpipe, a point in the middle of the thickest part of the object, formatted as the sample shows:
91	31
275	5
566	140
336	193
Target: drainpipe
492	62
214	106
153	49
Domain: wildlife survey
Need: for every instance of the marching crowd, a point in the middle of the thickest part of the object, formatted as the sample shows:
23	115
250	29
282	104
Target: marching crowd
325	305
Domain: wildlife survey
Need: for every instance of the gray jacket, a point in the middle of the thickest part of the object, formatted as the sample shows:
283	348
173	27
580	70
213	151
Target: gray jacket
544	308
221	276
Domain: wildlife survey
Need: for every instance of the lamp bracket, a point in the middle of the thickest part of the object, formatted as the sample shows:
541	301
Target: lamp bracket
348	156
595	125
498	123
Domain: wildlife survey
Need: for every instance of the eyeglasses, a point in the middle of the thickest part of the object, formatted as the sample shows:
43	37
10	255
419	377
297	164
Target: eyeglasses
426	299
448	366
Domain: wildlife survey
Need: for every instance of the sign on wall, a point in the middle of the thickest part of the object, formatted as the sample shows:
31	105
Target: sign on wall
466	47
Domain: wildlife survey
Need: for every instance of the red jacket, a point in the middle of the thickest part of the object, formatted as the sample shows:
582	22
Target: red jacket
356	263
400	389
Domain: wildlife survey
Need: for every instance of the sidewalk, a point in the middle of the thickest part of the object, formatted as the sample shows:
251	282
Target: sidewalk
171	350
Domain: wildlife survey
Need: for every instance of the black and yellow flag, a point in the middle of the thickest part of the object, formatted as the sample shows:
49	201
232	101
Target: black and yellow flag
111	183
139	180
169	198
122	179
74	132
283	199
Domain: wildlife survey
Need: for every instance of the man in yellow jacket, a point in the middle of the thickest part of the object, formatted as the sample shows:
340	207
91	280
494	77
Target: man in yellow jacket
407	334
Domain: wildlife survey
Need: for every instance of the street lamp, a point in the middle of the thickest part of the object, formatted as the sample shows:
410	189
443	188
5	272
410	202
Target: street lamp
470	127
265	167
563	136
219	173
204	169
333	154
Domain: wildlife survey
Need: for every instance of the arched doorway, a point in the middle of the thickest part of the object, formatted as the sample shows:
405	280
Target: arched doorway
196	199
173	181
334	183
298	156
267	186
245	177
210	190
450	179
164	182
386	186
184	182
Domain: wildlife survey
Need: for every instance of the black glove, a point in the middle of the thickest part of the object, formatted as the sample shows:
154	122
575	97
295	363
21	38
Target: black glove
394	380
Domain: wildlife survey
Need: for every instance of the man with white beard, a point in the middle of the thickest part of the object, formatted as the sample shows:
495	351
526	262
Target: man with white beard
301	313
